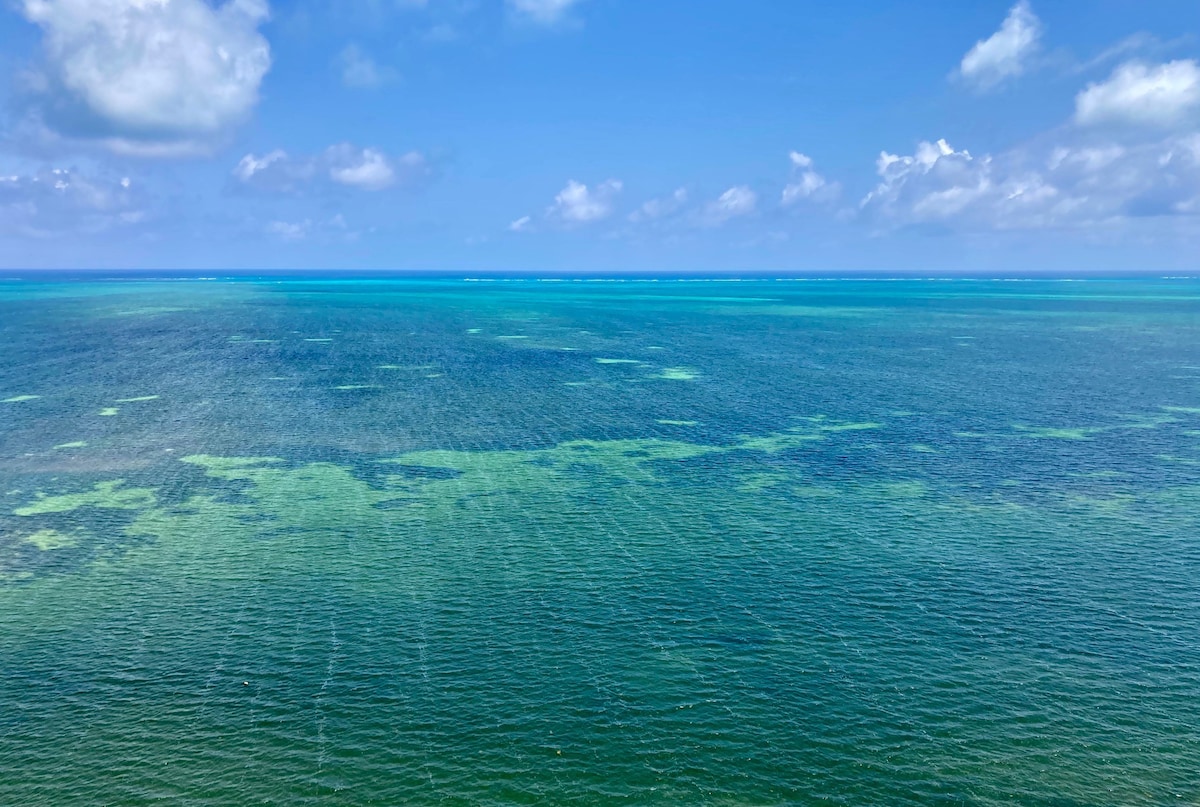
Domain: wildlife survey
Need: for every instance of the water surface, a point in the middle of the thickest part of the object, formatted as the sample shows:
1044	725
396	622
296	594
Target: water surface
757	543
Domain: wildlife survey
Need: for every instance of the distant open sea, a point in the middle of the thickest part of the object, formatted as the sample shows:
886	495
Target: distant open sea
318	541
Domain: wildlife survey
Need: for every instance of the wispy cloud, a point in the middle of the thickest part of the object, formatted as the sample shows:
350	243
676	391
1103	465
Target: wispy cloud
1006	53
542	12
59	201
345	165
1139	94
360	71
734	203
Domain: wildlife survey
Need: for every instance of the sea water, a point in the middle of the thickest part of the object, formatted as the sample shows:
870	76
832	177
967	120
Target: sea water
382	541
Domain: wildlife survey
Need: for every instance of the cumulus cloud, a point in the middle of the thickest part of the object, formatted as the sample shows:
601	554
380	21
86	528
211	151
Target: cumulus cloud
543	12
806	183
579	204
345	165
1006	53
736	202
1074	185
148	77
360	71
521	225
1139	94
59	201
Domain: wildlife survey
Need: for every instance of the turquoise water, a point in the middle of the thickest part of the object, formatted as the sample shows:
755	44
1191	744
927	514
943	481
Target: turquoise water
735	543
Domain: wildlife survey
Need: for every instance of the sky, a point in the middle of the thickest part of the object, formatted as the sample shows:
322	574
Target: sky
1055	136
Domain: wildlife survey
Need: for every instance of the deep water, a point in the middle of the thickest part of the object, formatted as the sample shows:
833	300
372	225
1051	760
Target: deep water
311	541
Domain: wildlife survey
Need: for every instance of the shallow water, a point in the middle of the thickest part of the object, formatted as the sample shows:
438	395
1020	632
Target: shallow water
352	542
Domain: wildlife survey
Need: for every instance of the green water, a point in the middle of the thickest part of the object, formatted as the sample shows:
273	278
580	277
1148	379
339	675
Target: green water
756	543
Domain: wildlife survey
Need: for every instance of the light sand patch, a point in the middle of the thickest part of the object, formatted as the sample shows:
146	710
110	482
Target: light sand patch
678	374
50	540
1052	433
109	495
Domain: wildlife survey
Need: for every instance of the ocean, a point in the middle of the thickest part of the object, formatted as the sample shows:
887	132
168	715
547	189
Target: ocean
269	540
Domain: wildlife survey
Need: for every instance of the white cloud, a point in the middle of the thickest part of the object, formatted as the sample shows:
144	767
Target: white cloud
543	12
521	225
1006	53
661	207
149	76
1144	95
806	183
578	204
361	71
331	230
366	169
1075	185
56	202
738	201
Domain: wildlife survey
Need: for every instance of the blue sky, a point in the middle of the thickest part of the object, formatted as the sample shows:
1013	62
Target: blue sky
601	135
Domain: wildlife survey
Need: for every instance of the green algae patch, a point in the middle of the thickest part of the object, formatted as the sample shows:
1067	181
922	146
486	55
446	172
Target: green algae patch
1052	433
1102	506
896	490
1177	460
141	399
798	436
815	492
753	483
617	361
678	374
678	422
76	444
150	311
109	411
21	398
223	464
106	495
833	428
50	540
